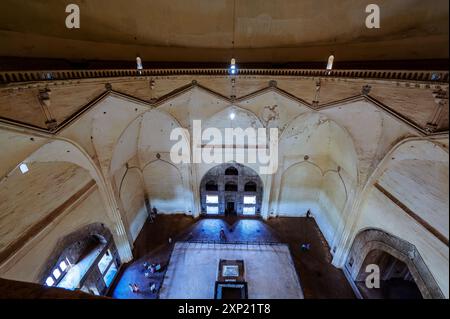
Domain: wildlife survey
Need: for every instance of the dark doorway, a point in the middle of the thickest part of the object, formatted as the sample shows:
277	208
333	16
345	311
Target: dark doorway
230	209
231	171
231	293
396	279
231	290
236	183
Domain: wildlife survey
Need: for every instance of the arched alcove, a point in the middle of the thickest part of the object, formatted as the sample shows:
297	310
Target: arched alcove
319	172
133	200
143	171
306	186
86	259
231	171
323	140
407	195
395	279
164	186
372	241
231	195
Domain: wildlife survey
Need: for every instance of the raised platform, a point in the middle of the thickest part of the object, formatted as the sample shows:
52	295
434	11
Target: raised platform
192	270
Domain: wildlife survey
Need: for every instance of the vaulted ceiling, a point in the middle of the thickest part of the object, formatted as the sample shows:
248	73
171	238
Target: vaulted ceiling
414	102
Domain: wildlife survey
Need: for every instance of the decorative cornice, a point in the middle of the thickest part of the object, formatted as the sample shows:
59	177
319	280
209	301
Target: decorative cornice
8	77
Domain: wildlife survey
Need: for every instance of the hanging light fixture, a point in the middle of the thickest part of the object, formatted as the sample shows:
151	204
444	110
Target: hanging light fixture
330	62
139	66
233	69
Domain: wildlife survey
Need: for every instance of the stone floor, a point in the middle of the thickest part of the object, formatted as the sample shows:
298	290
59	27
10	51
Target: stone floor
318	278
193	269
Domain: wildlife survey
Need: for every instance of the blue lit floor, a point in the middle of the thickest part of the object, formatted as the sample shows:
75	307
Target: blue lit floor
318	277
204	229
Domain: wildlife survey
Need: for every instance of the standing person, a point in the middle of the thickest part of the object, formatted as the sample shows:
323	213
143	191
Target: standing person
153	288
223	237
152	214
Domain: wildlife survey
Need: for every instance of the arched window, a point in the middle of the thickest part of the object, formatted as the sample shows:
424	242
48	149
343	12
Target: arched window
231	187
91	247
211	186
250	187
75	262
231	171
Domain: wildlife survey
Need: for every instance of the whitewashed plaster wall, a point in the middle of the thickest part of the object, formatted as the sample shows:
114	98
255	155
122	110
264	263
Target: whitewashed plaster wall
26	264
318	167
146	142
345	143
130	185
40	202
416	173
381	213
25	199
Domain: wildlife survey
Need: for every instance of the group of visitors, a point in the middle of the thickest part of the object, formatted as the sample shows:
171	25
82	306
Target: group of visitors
151	268
306	246
135	288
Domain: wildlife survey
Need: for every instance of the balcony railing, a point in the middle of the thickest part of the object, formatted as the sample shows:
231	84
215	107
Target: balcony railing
233	242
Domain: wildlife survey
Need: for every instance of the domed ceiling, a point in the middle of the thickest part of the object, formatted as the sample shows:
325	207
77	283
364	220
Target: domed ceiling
207	31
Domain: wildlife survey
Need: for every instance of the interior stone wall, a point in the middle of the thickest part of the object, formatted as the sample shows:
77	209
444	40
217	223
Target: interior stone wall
129	183
45	187
380	212
319	169
165	186
423	167
329	158
303	188
29	263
